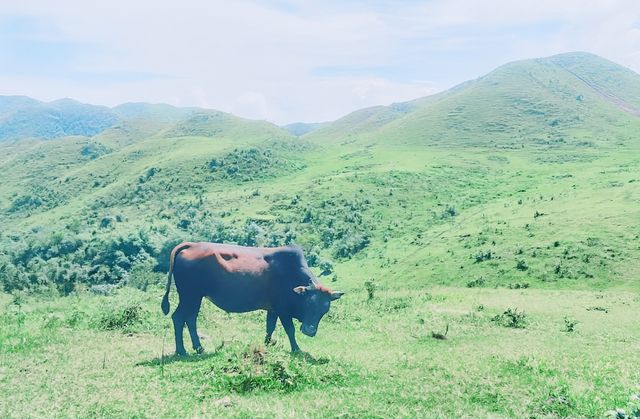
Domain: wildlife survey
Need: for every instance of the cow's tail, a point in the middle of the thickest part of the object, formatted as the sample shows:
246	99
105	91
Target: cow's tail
165	300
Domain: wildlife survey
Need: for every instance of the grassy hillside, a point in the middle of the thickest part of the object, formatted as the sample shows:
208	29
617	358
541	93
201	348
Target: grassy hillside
500	203
22	117
533	103
517	192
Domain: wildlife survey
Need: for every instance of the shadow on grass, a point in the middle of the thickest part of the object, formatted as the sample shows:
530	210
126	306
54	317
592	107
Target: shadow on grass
310	359
170	359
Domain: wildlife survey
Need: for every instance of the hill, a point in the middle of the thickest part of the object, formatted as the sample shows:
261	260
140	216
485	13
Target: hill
555	101
22	117
525	175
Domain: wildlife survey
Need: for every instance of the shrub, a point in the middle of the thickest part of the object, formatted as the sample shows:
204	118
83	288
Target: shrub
25	202
511	317
559	402
370	287
518	285
93	150
477	282
326	267
570	324
141	275
449	211
253	369
123	316
562	271
351	245
244	165
521	265
482	256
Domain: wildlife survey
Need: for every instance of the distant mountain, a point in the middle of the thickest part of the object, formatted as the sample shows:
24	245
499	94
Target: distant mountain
205	123
22	117
301	128
576	98
159	112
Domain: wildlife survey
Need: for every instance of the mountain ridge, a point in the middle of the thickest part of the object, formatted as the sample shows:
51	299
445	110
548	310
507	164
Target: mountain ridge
552	99
24	117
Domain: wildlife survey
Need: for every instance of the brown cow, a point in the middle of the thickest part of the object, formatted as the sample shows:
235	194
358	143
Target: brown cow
240	279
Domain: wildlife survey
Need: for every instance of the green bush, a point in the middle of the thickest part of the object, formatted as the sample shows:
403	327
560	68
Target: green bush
570	324
351	245
482	256
124	313
370	286
243	370
511	317
521	265
475	283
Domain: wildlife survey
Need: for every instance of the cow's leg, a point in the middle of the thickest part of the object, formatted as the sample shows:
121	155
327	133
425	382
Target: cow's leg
272	318
178	318
191	318
287	323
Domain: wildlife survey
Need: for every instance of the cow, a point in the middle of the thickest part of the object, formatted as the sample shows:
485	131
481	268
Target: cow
240	279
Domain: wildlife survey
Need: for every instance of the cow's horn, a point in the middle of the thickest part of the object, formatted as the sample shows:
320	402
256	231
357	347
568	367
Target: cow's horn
300	290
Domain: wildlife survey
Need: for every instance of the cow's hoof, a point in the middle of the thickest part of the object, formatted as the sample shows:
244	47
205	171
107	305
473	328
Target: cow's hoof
200	350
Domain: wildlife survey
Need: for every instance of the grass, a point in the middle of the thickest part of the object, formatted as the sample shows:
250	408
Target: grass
72	366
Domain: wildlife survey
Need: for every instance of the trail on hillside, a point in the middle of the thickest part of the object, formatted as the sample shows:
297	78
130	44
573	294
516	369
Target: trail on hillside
615	100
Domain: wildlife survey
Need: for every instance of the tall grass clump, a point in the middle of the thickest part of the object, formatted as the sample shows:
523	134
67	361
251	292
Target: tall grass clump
242	370
511	317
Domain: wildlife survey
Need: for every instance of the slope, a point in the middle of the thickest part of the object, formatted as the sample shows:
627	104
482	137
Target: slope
22	117
546	102
392	205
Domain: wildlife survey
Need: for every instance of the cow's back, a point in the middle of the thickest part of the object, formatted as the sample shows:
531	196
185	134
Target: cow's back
235	278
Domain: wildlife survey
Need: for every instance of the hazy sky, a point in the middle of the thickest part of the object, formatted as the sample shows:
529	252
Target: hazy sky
287	61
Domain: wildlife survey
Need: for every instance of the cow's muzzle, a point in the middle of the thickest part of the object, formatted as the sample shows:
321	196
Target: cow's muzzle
309	330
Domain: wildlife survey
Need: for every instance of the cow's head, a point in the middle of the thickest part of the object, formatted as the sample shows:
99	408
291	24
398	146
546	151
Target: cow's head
317	300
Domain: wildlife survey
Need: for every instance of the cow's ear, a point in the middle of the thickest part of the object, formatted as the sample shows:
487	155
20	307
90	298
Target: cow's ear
336	294
300	289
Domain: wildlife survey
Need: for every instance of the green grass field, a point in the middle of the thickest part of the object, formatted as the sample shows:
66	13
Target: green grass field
373	358
487	240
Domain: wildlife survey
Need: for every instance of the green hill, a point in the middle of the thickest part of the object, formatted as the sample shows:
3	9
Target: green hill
216	124
525	175
566	99
22	117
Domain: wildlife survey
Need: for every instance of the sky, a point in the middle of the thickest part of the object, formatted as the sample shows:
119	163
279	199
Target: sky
286	61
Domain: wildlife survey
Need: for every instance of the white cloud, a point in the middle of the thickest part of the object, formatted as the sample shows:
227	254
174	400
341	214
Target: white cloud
252	103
